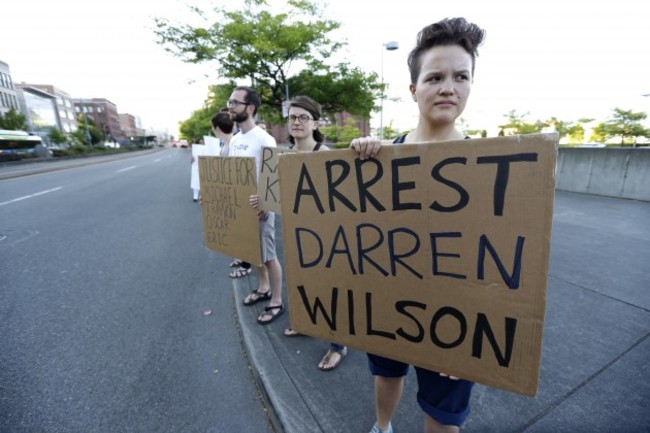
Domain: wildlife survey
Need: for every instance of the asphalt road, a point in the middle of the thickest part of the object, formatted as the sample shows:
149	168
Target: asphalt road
114	317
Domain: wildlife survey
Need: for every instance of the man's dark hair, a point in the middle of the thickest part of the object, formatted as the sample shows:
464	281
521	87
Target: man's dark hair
223	121
252	97
450	31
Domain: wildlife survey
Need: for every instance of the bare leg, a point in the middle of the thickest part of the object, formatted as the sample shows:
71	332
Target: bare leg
263	277
388	392
274	276
433	426
273	271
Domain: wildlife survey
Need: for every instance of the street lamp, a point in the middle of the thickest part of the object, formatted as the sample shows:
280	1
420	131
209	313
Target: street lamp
390	46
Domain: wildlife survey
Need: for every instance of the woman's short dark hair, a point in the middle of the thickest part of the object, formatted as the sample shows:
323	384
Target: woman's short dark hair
316	111
223	121
450	31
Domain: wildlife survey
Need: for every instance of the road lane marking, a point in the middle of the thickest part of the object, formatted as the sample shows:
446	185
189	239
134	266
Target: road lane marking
126	169
31	195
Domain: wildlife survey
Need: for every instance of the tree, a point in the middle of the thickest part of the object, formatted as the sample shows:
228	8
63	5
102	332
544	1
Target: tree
625	124
389	132
341	135
56	136
96	135
576	133
13	120
598	134
251	43
517	125
199	123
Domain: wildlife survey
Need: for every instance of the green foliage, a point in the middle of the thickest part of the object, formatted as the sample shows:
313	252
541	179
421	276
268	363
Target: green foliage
13	121
56	136
339	89
199	124
96	134
252	43
389	132
626	125
341	135
598	134
576	134
517	125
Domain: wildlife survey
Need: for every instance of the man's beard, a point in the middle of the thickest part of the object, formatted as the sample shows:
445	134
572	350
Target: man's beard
239	117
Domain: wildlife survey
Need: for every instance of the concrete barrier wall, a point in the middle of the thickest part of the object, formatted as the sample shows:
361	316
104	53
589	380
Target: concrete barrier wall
611	172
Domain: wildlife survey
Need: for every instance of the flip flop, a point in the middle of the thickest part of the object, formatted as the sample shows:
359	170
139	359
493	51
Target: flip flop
279	309
235	263
290	332
256	297
240	272
326	359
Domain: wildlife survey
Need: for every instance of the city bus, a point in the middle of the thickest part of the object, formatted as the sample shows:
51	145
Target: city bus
15	145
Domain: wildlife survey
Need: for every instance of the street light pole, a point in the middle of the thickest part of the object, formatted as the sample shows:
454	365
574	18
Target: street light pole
390	46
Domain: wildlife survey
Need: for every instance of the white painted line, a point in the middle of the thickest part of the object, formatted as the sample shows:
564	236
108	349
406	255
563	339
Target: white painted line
126	169
31	195
157	160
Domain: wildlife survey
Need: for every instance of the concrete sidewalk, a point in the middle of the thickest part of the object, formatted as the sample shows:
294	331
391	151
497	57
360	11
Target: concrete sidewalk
595	373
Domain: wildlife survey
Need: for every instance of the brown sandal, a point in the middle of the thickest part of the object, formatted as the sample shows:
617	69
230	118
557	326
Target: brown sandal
326	359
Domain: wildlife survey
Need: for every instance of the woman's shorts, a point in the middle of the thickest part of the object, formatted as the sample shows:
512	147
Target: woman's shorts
443	399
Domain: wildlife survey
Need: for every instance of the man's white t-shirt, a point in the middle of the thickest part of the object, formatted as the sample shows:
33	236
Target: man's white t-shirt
250	144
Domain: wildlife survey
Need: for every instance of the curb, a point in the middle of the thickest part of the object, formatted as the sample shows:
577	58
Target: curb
288	411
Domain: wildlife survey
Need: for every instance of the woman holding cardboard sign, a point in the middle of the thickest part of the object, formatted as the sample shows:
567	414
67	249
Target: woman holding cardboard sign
442	70
304	135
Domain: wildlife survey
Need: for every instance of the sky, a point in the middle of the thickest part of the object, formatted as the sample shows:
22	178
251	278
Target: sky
568	59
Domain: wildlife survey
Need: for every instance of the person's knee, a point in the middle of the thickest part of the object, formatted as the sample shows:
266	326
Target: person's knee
433	426
389	384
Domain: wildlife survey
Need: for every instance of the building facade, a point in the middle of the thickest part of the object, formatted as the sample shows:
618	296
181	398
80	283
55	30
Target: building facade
104	115
66	116
8	95
129	126
39	109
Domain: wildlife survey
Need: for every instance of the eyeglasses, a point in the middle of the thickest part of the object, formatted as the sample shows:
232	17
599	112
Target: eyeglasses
236	103
303	118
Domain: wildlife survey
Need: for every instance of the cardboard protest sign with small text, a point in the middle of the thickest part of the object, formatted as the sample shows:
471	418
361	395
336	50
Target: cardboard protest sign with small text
229	222
268	187
434	254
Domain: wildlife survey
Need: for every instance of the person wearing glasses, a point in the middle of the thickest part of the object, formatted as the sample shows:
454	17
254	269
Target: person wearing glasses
243	105
303	123
441	67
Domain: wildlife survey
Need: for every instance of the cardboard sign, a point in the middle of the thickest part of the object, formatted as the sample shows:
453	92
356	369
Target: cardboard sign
268	188
212	146
434	254
229	222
